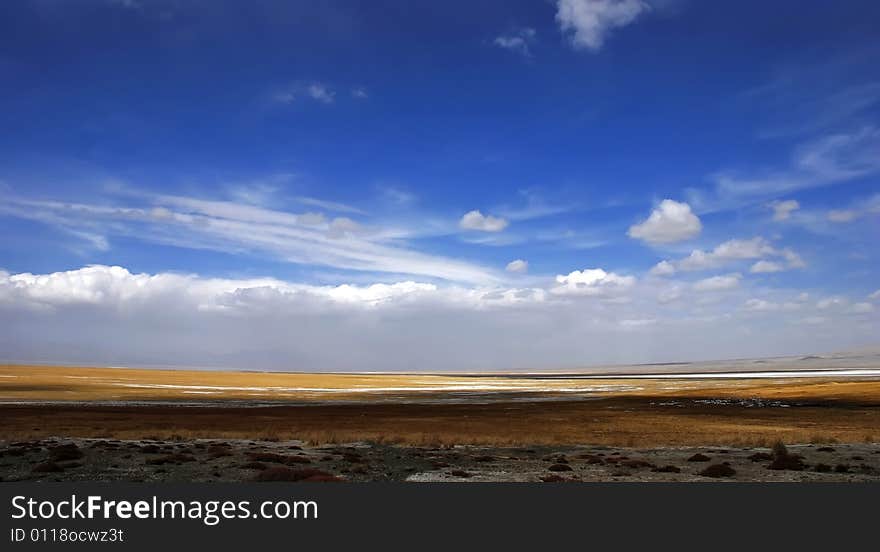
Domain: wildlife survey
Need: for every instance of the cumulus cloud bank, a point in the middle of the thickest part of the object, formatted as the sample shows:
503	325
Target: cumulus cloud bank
109	315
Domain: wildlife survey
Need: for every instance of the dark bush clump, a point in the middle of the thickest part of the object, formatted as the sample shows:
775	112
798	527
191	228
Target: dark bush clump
784	460
176	458
559	468
62	453
760	457
667	469
718	470
290	474
254	466
47	467
698	458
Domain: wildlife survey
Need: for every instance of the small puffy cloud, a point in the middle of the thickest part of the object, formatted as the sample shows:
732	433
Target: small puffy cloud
475	220
341	226
517	41
663	268
519	266
670	222
759	305
793	259
782	209
860	208
862	308
875	295
831	302
740	250
842	215
591	281
763	267
587	23
670	294
731	250
316	91
321	92
718	283
360	93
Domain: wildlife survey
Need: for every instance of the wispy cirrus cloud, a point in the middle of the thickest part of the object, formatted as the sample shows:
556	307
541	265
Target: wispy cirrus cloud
831	159
307	238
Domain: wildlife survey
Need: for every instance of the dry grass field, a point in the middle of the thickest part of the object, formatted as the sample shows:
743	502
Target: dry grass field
39	401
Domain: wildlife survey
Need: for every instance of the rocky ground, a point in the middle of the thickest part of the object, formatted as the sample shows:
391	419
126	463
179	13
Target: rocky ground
55	459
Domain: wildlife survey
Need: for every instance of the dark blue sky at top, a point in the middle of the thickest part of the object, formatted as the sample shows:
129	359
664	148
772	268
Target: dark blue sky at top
178	98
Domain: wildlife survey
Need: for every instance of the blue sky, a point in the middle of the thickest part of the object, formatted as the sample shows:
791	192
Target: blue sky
547	174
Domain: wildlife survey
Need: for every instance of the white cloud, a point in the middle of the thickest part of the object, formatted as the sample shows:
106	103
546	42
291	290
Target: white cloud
587	23
518	41
108	315
762	267
736	250
475	220
862	308
719	283
243	229
875	295
831	302
316	91
518	266
782	209
670	222
863	207
831	159
591	281
760	305
670	294
842	215
663	268
321	92
360	93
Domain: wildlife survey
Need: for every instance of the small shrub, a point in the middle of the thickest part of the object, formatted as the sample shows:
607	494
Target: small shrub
667	469
698	458
254	466
718	470
176	458
637	464
47	467
66	452
760	457
290	474
559	468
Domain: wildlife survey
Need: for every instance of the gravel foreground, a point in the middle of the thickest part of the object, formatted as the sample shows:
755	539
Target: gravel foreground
205	460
